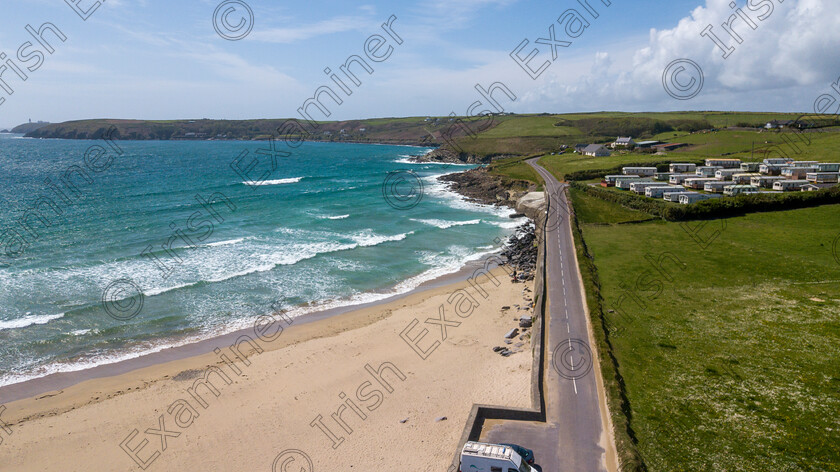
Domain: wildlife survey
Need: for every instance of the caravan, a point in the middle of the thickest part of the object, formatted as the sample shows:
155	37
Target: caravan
482	457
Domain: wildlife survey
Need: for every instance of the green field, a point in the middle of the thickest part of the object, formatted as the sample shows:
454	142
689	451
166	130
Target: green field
594	210
728	342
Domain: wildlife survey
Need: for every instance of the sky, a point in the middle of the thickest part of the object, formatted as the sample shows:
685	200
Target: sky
156	59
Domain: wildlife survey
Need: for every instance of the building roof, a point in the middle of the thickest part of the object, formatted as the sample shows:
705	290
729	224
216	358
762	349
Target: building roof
593	148
626	140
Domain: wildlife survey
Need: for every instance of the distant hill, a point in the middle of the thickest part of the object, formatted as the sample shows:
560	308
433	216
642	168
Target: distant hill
462	139
414	130
29	127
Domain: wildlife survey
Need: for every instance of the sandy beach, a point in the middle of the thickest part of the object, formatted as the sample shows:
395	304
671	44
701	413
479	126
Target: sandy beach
348	392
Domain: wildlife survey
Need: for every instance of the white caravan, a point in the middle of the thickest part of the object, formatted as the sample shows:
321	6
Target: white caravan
482	457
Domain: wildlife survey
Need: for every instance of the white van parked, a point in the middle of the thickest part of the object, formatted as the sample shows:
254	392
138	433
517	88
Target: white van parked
482	457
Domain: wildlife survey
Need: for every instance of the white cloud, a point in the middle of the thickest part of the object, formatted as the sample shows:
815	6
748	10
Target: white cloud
785	63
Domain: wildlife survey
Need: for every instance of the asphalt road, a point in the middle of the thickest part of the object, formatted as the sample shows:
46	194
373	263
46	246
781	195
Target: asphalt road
571	438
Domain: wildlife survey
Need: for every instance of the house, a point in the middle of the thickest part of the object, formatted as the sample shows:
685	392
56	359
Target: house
725	163
779	124
765	181
661	190
744	177
580	147
624	142
740	190
596	150
707	171
362	130
691	197
778	160
815	187
698	182
726	174
786	185
646	171
823	177
682	167
750	166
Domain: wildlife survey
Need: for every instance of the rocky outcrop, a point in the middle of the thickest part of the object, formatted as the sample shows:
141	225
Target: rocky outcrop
447	155
480	186
520	252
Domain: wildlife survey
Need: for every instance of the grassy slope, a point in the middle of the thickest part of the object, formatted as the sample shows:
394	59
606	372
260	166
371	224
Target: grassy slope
597	211
731	365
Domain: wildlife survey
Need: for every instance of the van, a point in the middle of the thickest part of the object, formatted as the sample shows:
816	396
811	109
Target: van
483	457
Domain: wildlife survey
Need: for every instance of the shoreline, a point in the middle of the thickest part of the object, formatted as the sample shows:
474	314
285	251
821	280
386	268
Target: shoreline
300	375
60	380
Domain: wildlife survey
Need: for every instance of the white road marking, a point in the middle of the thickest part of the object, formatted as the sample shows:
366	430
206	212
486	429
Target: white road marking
575	384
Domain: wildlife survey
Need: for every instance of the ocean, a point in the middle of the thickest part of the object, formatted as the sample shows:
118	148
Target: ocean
112	250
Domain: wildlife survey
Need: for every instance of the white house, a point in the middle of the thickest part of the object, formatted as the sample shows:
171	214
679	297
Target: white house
679	178
750	166
624	142
596	150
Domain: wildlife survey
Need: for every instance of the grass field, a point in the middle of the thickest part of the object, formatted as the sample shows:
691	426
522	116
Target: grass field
594	210
728	342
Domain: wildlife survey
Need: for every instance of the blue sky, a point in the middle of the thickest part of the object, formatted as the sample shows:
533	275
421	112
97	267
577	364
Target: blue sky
154	59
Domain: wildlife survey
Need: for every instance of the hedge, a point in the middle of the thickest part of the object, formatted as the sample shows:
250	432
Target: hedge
718	207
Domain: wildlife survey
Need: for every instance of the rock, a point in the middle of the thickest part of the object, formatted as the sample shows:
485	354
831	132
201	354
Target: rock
508	341
506	307
403	421
519	344
440	418
497	348
512	333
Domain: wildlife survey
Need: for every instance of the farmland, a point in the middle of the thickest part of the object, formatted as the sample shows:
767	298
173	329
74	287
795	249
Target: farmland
727	340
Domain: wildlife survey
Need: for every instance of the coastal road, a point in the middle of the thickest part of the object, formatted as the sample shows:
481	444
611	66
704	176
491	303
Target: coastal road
574	437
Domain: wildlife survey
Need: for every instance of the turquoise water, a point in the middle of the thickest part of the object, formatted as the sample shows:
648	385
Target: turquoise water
318	233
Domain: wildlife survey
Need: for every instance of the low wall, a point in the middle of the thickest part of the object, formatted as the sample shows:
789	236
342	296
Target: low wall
480	413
